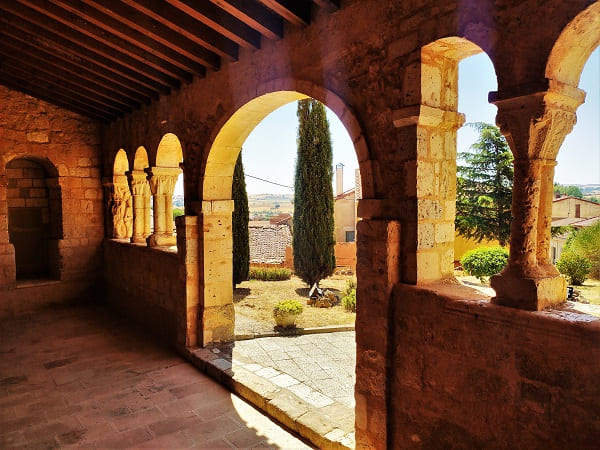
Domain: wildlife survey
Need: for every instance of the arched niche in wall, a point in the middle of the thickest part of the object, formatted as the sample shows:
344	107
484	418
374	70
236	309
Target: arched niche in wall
34	217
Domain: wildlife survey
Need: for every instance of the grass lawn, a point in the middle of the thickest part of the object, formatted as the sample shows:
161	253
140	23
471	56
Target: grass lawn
590	289
255	299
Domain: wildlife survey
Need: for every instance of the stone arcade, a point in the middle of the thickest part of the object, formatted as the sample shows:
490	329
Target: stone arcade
82	161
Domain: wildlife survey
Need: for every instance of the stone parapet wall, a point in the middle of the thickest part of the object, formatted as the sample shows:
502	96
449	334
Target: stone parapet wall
146	284
487	376
67	145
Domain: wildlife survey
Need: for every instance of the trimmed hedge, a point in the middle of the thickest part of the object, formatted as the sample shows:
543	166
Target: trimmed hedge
269	274
574	266
484	261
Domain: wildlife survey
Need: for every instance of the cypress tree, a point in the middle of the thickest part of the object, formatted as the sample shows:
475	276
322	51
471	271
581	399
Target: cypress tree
313	238
239	219
484	187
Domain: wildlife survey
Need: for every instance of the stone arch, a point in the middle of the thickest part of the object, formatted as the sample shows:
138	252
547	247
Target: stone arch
217	321
169	152
140	159
437	120
574	46
120	203
35	222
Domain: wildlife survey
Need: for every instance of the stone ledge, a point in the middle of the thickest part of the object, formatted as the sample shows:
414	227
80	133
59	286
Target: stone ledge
297	411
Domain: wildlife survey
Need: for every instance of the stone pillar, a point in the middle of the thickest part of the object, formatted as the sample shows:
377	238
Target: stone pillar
535	126
162	184
119	208
140	190
378	270
217	315
433	182
8	271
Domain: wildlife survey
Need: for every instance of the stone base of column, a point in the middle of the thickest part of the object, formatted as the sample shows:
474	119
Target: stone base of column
138	240
218	324
157	240
534	294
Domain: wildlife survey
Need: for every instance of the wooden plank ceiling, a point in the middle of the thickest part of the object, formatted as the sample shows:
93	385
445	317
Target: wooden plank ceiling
106	58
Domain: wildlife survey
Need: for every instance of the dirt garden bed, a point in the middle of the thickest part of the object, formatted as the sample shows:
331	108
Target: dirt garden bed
254	301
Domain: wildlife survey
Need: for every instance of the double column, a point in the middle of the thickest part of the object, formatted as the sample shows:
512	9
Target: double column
140	190
162	184
535	126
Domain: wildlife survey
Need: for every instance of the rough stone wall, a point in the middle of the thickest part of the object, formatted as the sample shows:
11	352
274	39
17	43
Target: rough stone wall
68	145
144	283
366	62
476	375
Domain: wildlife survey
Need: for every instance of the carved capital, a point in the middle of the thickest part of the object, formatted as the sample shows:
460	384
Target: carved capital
536	124
138	181
162	180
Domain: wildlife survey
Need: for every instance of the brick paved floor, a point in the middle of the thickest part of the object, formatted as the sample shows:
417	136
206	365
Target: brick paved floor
79	377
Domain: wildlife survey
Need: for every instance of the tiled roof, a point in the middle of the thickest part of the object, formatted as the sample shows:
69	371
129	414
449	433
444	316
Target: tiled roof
268	243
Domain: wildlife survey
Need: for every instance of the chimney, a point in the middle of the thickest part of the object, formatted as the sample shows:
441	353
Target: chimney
339	179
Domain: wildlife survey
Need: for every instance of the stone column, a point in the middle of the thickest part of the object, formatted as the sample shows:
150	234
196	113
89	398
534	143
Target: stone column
121	209
378	246
8	271
535	126
217	315
433	182
162	183
140	190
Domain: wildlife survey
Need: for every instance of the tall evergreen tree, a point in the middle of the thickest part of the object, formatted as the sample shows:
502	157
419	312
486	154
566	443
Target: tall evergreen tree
484	187
313	239
239	219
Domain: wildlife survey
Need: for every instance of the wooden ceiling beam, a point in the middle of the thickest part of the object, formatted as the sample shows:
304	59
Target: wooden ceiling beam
26	71
135	34
73	81
43	21
48	86
207	52
294	11
254	15
74	27
53	98
186	13
44	60
19	28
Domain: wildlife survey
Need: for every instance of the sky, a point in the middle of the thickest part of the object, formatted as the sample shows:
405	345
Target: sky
270	150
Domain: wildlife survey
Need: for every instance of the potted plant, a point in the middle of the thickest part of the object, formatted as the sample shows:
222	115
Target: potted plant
286	312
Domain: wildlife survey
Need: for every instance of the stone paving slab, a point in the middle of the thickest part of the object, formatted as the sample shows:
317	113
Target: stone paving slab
81	378
305	382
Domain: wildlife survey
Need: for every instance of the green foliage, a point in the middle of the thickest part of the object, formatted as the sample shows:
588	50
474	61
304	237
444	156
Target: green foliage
269	274
290	306
586	242
484	187
574	266
239	224
484	261
349	295
313	239
178	212
573	191
593	198
557	231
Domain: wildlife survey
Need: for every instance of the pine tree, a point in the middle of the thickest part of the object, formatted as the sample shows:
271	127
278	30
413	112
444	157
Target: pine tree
313	239
484	187
241	246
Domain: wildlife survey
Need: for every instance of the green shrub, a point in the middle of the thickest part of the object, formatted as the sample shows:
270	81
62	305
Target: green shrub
269	274
290	306
586	242
574	266
349	300
484	261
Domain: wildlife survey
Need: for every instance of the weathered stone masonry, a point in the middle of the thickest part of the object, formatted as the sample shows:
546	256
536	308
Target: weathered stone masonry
429	355
66	146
